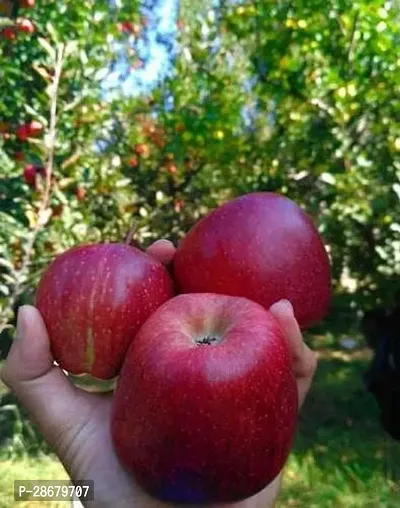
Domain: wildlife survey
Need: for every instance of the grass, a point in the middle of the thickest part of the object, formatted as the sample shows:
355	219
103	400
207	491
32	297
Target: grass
341	457
42	467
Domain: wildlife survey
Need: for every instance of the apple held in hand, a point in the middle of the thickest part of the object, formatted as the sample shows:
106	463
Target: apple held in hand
205	408
94	299
260	246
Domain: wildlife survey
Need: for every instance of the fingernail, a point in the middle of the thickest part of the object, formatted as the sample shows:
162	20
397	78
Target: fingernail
22	322
287	304
163	241
283	305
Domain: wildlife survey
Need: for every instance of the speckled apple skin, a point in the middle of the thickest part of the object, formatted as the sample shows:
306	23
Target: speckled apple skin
260	246
206	423
93	299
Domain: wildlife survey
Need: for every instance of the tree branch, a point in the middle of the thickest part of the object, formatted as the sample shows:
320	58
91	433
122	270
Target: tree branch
350	50
44	212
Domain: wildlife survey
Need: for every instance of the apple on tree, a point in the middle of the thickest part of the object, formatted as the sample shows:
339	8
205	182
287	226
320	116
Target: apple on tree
9	33
172	169
30	175
260	246
127	27
93	299
27	3
29	130
26	25
205	408
80	193
142	149
133	162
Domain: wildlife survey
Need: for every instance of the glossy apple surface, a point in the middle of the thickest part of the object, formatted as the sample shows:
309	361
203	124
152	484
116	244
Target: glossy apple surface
94	299
205	408
260	246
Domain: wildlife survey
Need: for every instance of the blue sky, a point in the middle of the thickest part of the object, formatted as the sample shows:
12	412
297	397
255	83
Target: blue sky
161	21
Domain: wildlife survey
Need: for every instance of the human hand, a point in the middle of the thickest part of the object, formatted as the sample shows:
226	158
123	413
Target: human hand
76	423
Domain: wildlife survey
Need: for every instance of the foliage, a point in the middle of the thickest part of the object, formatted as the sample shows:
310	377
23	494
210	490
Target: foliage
296	97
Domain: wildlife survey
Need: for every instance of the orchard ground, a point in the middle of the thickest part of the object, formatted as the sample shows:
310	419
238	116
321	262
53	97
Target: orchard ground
341	456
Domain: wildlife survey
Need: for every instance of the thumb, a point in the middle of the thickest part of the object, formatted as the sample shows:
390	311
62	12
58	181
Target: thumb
303	358
163	250
41	387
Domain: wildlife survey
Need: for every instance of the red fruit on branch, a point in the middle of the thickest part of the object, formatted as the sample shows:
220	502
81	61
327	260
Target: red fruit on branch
30	175
172	169
27	3
127	27
9	33
26	25
23	132
35	128
133	162
29	130
80	193
94	299
178	205
142	149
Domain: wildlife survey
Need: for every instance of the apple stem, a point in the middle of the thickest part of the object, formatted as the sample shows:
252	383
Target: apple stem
131	234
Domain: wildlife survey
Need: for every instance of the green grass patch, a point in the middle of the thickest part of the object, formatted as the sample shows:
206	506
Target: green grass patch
42	467
341	457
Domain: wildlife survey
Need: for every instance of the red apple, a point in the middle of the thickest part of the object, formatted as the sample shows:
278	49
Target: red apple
22	132
27	3
172	169
205	409
26	25
9	34
133	162
128	27
80	193
35	128
142	149
179	205
29	130
93	299
260	246
30	175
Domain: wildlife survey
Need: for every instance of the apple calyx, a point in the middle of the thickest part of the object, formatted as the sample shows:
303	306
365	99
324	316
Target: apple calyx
208	340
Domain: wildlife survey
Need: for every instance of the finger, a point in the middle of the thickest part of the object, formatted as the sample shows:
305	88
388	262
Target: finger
163	250
303	357
41	387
